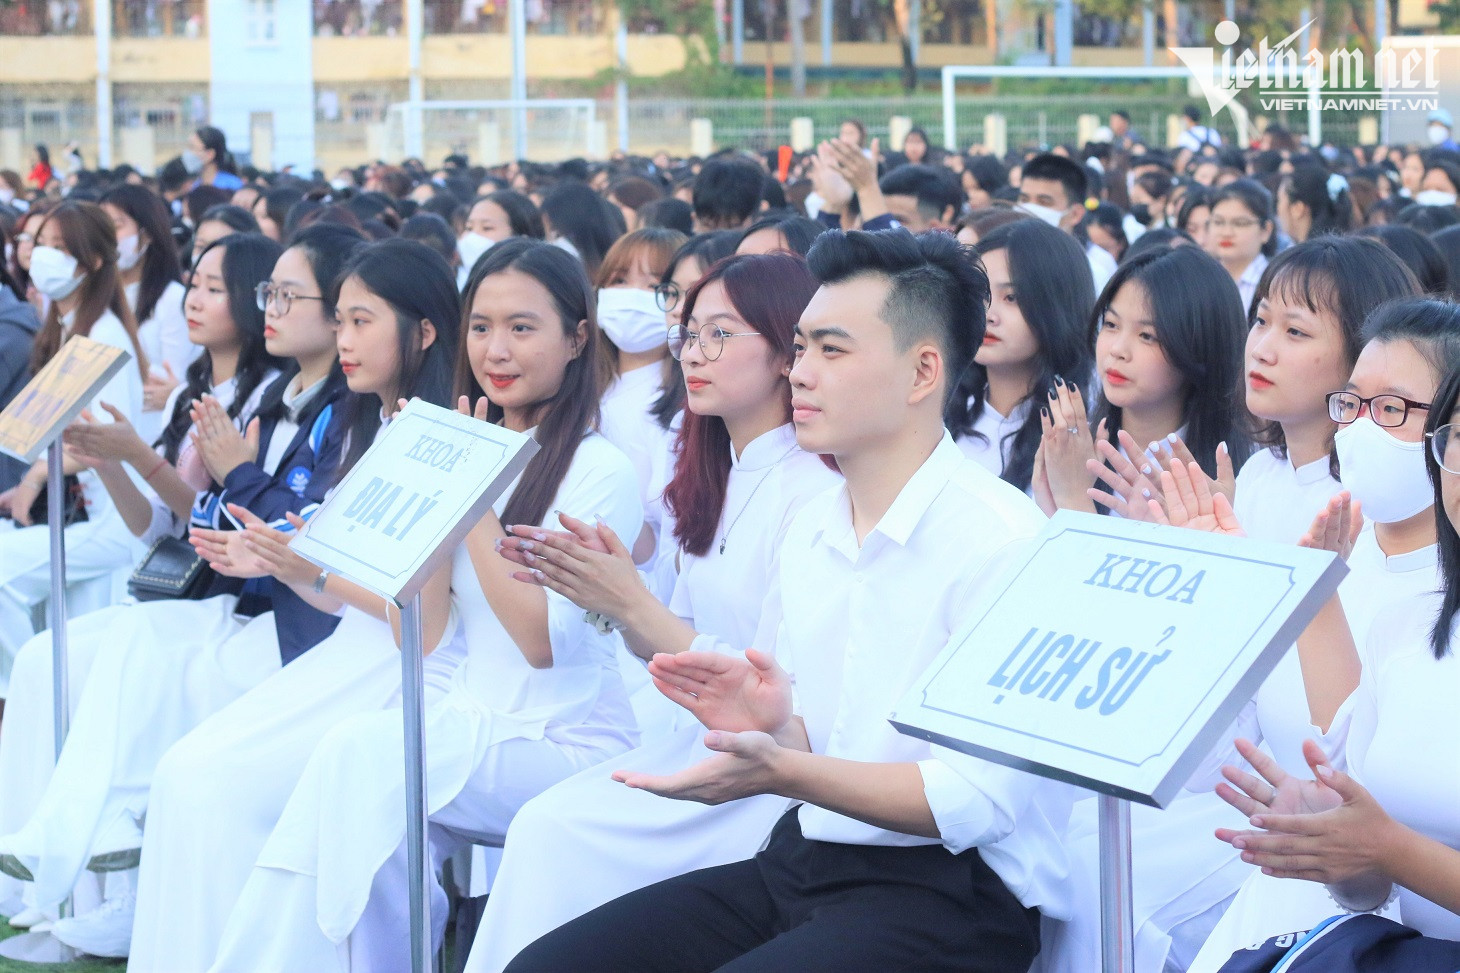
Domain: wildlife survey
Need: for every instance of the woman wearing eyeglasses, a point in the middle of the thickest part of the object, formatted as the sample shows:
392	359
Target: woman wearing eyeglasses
1380	413
1241	233
1388	828
739	479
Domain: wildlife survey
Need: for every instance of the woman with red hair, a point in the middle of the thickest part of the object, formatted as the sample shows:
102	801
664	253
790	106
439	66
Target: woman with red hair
739	479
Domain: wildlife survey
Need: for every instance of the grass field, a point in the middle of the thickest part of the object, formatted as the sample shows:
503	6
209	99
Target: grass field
90	966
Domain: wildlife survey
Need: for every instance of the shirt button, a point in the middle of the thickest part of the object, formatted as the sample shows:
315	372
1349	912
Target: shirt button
860	577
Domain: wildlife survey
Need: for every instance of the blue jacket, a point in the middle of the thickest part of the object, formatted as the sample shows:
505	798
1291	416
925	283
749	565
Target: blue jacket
305	473
1362	943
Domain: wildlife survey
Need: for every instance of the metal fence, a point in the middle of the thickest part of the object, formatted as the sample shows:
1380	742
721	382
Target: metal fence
346	116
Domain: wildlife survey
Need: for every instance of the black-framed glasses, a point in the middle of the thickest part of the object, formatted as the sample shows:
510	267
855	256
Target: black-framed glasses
281	297
710	337
667	295
1387	410
1445	447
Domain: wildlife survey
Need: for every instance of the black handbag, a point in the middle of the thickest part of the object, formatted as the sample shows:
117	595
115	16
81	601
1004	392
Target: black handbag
74	504
171	569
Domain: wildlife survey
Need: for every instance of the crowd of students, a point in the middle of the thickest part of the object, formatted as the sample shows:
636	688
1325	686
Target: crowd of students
661	665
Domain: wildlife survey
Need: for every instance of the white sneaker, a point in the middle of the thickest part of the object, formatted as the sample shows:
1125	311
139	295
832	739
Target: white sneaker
105	931
28	918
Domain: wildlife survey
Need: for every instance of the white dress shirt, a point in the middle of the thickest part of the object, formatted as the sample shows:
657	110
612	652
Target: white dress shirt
1247	283
855	625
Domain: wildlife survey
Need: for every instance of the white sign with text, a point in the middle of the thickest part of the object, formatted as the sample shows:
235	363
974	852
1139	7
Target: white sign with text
1117	652
412	498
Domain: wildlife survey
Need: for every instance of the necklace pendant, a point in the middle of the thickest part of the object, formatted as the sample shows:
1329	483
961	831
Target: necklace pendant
722	545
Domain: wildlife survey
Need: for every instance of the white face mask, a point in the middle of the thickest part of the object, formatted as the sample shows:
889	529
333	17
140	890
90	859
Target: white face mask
631	319
470	246
1435	197
192	162
6	195
1049	214
129	252
1437	134
53	272
1385	475
339	185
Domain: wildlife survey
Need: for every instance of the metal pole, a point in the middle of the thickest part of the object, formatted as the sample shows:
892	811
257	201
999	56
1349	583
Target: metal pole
518	17
417	856
1064	32
737	31
102	27
915	30
1117	917
1315	115
826	32
950	121
621	87
1148	33
56	609
1381	34
415	30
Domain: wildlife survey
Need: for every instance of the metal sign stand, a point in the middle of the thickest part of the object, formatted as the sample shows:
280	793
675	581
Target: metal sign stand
417	850
42	947
1117	916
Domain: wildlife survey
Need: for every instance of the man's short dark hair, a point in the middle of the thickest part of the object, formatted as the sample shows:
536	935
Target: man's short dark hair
935	187
1192	112
938	291
1067	172
1122	114
727	192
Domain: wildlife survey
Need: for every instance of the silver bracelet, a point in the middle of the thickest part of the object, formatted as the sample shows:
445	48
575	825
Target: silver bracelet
1353	908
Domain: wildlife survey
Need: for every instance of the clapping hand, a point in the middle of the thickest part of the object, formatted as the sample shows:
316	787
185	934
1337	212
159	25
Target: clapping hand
1066	447
218	441
1336	527
1191	502
158	387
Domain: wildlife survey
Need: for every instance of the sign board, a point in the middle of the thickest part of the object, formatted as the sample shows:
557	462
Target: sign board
57	394
412	498
1117	653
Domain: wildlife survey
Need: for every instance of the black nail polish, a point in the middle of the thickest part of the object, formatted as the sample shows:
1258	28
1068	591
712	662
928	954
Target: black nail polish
1058	380
1073	388
1044	412
1053	392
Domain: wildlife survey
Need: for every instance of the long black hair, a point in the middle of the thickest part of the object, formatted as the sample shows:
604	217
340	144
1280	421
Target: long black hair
1202	329
1055	293
419	285
1347	277
522	214
1439	318
585	219
248	259
214	140
570	413
328	248
1325	194
159	263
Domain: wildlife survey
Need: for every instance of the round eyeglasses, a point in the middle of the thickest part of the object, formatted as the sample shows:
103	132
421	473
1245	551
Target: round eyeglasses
1387	410
667	295
710	337
1445	447
281	298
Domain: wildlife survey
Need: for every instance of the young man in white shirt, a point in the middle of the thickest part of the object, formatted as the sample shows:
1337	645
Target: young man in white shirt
903	855
1054	189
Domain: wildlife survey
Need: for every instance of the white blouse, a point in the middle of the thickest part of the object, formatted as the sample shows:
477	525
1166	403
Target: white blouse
164	338
582	691
769	482
1401	738
625	421
987	446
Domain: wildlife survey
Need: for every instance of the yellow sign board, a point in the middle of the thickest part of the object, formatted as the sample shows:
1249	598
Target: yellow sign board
57	395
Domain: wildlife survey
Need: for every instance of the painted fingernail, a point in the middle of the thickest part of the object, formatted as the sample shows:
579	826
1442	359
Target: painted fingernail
1146	469
1073	387
1053	392
1221	447
1155	446
1058	380
525	545
538	535
1044	412
1173	437
537	574
1146	493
